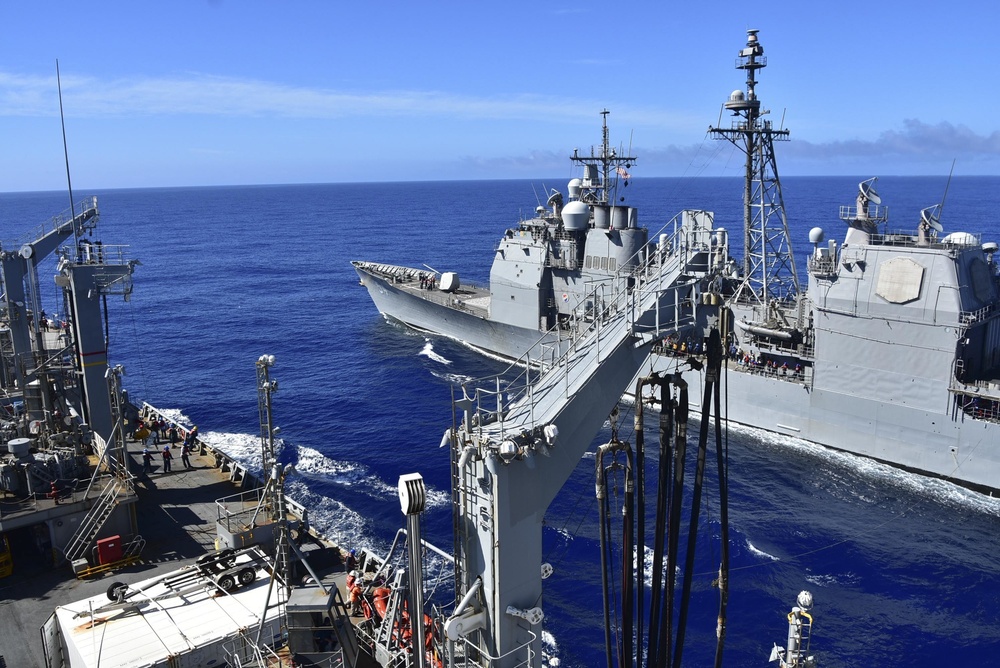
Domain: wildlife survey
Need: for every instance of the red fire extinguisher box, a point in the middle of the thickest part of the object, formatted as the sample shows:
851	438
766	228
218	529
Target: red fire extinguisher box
109	549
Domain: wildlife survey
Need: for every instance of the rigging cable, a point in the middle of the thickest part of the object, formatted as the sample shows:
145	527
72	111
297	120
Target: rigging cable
722	457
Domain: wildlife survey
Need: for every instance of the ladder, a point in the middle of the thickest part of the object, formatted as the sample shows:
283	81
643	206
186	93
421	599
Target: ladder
92	524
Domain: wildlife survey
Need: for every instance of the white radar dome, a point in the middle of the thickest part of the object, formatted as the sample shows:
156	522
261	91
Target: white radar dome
736	96
960	239
816	235
576	215
574	187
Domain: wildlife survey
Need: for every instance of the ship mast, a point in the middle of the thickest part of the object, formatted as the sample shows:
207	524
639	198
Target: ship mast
768	266
605	164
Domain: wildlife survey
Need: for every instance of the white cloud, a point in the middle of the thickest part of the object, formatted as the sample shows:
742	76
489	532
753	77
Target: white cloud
204	94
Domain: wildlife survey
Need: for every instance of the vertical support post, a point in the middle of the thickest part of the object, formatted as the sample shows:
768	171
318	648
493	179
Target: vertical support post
413	499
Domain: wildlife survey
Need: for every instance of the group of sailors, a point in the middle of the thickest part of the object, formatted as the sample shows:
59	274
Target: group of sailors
427	281
981	408
763	365
675	346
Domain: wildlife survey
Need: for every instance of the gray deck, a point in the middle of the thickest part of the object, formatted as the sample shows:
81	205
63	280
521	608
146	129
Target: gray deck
176	516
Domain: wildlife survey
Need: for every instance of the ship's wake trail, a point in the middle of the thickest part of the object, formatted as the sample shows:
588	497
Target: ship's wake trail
428	352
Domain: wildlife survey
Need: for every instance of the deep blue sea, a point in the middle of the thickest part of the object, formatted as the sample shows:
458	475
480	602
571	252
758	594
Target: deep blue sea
904	570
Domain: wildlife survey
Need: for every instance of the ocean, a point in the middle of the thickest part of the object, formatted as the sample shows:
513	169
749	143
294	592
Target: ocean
903	568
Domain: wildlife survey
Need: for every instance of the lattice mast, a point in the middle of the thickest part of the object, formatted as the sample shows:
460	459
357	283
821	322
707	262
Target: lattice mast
768	266
274	487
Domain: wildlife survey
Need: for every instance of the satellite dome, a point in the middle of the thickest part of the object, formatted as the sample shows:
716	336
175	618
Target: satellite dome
960	239
816	235
574	187
736	96
576	215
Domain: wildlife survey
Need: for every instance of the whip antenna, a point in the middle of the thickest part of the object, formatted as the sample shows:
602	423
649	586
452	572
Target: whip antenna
69	182
946	186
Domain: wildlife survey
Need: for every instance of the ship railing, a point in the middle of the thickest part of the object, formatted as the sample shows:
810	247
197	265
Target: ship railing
674	242
822	266
39	495
410	275
978	407
242	652
967	318
84	210
873	214
475	655
901	237
131	550
239	512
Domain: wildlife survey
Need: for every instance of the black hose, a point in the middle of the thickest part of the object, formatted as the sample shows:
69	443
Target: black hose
602	508
639	475
674	513
693	526
656	613
722	460
628	547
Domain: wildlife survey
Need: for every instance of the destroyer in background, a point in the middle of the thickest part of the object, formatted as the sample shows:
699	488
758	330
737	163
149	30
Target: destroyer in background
892	351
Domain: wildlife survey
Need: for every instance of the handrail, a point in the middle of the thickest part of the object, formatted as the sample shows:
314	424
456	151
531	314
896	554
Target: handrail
616	305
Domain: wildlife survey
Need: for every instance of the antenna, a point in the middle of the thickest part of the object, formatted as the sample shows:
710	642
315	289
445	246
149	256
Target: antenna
946	186
931	217
69	182
867	189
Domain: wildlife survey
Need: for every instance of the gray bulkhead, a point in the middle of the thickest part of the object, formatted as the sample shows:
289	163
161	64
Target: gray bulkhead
540	270
519	280
879	332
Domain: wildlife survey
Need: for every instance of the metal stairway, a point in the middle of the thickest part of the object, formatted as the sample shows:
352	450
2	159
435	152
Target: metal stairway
662	300
91	525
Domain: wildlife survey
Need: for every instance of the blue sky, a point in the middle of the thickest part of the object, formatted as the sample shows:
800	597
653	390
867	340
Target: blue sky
205	92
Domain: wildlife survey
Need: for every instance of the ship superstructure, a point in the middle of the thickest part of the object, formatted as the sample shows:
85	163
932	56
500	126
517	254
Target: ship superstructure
61	400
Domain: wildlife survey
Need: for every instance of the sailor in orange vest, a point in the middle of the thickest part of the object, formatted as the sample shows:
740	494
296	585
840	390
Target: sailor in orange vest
354	591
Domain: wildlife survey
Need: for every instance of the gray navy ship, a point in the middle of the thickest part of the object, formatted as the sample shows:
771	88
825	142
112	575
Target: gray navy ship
890	352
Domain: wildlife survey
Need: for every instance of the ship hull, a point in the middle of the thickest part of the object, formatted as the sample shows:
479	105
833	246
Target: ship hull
963	449
442	314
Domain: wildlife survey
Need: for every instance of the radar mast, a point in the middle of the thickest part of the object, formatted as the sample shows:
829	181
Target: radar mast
603	168
768	266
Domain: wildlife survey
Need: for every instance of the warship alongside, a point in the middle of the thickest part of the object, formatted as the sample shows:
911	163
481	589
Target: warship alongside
891	351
